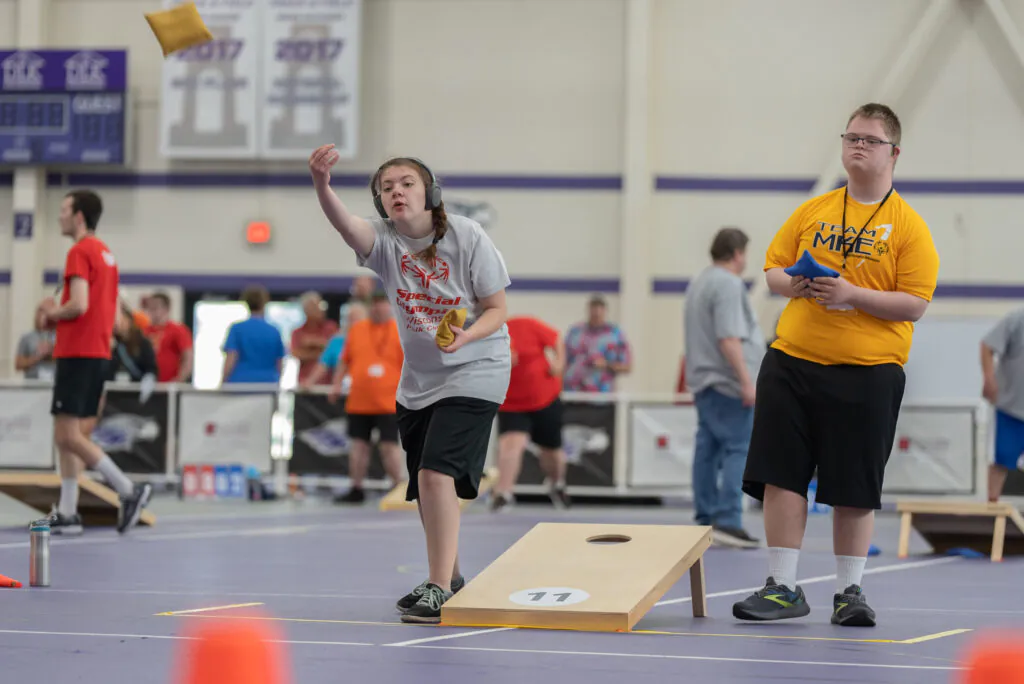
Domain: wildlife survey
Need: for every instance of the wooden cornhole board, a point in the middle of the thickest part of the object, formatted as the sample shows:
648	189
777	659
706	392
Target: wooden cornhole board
563	576
395	499
97	503
976	525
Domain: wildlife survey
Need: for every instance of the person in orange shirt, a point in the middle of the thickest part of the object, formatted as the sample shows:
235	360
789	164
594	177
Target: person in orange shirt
372	358
532	409
830	388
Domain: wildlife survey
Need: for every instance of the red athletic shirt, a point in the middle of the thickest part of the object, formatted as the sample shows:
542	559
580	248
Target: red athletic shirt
89	335
170	340
531	386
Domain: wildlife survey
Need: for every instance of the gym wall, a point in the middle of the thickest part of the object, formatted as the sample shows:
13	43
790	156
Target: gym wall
525	105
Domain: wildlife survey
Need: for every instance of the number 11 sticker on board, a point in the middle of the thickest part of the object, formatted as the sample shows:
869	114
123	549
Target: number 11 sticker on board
549	597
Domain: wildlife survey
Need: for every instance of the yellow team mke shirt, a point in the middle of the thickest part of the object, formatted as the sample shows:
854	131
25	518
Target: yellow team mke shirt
894	252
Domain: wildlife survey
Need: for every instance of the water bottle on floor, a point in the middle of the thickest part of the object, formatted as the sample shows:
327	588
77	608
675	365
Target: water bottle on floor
39	554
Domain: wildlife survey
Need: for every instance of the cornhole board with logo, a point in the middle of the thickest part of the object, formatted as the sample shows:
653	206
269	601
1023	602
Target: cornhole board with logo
976	525
395	499
97	503
589	577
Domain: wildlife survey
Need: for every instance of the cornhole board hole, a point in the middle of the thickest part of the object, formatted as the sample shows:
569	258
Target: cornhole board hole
976	525
588	577
97	503
395	499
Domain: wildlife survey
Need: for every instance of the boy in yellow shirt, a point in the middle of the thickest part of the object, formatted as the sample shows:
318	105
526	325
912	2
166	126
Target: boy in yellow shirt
830	387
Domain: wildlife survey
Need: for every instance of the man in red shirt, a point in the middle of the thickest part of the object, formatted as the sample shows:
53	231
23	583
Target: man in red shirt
532	409
310	339
172	341
85	325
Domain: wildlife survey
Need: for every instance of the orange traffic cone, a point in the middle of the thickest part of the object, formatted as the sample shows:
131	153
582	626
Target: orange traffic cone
6	581
995	658
232	652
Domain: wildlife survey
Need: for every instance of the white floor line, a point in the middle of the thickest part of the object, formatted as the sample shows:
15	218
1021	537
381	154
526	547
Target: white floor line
659	656
171	637
144	536
255	593
443	637
896	567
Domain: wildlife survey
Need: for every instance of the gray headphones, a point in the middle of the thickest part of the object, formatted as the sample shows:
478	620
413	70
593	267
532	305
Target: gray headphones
433	191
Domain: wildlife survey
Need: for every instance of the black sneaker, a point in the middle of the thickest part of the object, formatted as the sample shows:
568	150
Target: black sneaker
410	599
70	525
354	495
559	497
734	536
132	506
501	502
849	609
774	602
428	609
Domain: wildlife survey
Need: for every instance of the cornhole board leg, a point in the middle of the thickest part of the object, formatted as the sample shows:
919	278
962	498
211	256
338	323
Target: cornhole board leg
395	499
905	527
97	503
590	577
998	538
697	591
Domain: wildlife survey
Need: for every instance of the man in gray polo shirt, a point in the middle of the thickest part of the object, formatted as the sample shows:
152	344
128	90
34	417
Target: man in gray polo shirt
724	348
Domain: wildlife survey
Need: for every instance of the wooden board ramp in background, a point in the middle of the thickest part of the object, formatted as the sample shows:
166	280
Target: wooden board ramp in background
976	525
590	577
97	503
395	499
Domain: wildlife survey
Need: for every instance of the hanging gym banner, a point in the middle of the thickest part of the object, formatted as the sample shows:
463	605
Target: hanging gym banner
309	77
208	104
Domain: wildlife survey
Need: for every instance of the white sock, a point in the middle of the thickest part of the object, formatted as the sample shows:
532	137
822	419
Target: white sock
68	505
782	564
849	570
115	477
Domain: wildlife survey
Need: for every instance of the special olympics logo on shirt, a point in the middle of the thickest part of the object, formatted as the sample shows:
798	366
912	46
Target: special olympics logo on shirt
441	270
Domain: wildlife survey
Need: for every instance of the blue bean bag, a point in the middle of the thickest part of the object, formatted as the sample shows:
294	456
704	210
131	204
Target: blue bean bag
809	268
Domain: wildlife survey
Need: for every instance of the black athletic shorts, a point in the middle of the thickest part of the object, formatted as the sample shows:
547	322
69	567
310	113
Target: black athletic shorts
543	425
360	426
78	386
840	420
450	436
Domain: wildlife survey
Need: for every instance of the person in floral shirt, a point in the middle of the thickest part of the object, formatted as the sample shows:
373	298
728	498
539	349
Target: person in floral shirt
596	352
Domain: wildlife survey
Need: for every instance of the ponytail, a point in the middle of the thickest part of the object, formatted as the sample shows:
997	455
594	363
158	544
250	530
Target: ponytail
440	220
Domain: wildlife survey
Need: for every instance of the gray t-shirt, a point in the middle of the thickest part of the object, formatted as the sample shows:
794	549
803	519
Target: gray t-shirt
44	370
718	306
1006	340
468	267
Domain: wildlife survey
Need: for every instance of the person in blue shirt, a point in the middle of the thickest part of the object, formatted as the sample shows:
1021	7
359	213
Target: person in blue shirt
254	351
324	371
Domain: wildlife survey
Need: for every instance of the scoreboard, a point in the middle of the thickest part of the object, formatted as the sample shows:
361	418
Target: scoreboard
63	107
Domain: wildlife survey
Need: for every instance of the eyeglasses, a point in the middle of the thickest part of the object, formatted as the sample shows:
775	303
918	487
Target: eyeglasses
851	140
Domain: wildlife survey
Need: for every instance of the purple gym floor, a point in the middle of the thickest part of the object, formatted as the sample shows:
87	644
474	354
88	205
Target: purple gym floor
329	576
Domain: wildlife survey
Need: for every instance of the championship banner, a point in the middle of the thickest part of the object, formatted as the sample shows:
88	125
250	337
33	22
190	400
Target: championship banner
309	77
320	441
134	434
209	99
26	429
933	452
225	429
588	439
661	439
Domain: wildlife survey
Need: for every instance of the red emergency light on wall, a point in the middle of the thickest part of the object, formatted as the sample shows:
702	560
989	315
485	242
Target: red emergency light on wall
258	233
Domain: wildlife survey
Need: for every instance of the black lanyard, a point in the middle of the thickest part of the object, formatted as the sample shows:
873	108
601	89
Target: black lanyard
847	248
